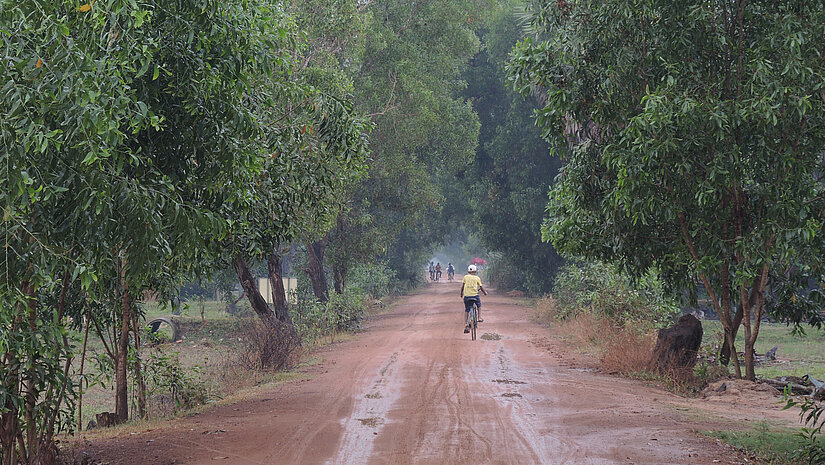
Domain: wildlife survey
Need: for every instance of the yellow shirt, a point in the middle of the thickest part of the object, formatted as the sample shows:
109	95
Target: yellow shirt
471	285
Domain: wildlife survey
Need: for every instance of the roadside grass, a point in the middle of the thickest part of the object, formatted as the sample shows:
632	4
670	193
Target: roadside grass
797	355
191	309
766	443
618	349
260	384
201	355
205	356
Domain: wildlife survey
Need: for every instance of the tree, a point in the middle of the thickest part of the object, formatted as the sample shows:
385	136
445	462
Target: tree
320	152
696	131
506	189
408	79
140	144
68	109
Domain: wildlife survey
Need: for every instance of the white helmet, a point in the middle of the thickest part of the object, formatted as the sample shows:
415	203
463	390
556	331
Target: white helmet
472	269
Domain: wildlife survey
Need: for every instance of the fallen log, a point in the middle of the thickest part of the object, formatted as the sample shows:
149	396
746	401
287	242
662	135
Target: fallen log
795	388
799	386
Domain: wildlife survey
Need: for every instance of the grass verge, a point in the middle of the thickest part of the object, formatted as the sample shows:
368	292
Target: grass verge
766	444
797	355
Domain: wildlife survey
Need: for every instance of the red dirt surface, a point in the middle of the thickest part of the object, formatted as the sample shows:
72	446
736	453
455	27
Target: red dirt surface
413	389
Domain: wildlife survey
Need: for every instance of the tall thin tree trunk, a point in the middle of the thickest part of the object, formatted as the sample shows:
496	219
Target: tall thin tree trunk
279	301
753	317
728	347
339	267
315	253
121	388
257	301
32	394
9	421
140	380
82	364
725	350
749	373
339	274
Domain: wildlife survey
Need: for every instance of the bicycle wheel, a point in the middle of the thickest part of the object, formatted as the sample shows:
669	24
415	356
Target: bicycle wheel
473	322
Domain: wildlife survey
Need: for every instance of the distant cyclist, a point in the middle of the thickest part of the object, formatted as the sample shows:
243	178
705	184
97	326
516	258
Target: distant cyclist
470	286
450	271
438	271
432	271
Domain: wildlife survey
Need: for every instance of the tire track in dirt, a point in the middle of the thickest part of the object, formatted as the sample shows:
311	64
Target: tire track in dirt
367	416
517	400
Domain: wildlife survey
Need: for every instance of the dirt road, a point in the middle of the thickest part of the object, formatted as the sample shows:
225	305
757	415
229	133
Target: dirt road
413	389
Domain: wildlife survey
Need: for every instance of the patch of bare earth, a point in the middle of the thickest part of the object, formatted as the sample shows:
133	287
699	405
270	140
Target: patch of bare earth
413	389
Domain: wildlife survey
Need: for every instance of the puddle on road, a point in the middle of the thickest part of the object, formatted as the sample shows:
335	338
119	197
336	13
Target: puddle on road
491	337
508	381
372	421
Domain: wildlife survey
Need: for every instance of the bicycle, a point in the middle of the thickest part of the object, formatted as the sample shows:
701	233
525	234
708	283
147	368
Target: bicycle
450	276
472	321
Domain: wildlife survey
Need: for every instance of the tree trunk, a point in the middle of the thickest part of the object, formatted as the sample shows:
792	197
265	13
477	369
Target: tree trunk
315	252
279	302
257	301
31	391
9	424
752	317
339	267
80	376
140	381
749	368
728	347
9	420
339	278
121	389
725	351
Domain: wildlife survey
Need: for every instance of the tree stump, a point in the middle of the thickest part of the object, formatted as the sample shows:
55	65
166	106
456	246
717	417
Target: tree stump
677	346
107	419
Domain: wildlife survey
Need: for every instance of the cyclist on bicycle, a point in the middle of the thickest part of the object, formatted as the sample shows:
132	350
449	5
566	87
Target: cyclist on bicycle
438	271
431	269
470	286
450	271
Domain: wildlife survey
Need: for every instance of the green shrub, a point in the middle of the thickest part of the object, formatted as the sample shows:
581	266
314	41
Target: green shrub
376	280
166	376
600	288
812	415
343	312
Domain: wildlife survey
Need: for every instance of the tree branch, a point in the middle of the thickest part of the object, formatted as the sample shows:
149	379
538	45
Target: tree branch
363	6
389	105
705	281
410	18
